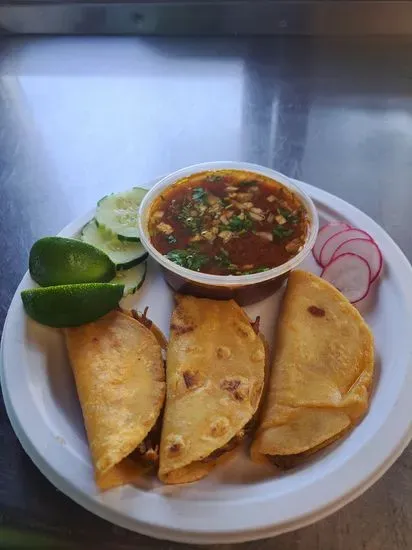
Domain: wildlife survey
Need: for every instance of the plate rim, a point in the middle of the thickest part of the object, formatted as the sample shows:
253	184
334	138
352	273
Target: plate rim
99	508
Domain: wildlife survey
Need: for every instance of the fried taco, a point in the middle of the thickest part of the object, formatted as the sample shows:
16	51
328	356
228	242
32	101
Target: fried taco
119	372
215	376
322	371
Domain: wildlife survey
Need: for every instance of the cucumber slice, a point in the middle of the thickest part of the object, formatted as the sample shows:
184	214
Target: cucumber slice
132	278
119	212
123	254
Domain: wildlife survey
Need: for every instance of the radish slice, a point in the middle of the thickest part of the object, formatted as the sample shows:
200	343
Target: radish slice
325	234
329	248
366	249
350	274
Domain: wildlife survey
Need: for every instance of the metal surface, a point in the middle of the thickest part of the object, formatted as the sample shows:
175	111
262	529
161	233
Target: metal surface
217	17
80	118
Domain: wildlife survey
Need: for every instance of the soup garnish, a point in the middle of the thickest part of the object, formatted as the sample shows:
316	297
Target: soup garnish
228	222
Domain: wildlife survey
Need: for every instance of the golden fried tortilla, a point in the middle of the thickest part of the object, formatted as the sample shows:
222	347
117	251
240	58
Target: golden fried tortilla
215	374
119	373
322	372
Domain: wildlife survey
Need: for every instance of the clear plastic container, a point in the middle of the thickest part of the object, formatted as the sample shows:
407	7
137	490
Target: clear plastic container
245	289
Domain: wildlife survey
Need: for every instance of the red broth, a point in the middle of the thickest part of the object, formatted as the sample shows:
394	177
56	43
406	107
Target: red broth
228	222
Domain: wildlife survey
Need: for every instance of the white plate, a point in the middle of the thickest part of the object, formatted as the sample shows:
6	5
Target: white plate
239	501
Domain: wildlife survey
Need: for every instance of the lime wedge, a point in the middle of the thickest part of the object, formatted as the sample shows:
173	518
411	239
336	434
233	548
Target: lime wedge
60	261
71	305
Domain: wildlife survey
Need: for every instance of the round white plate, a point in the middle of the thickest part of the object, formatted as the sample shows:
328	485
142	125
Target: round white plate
238	501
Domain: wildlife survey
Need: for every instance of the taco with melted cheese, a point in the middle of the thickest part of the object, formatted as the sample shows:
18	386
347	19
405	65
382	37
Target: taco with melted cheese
215	375
119	372
321	376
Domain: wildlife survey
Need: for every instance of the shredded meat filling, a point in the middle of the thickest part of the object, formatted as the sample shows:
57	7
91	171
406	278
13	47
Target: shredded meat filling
147	452
231	444
142	317
286	462
256	324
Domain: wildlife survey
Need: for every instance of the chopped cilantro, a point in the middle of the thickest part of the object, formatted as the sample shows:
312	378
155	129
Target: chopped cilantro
291	217
281	232
190	258
284	212
258	270
237	224
252	271
199	194
223	258
191	222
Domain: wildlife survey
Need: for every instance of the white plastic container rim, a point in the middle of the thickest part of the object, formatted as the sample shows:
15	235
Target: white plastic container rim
226	280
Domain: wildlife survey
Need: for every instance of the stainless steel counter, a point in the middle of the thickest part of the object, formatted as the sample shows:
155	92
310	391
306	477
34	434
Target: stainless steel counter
208	17
80	118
